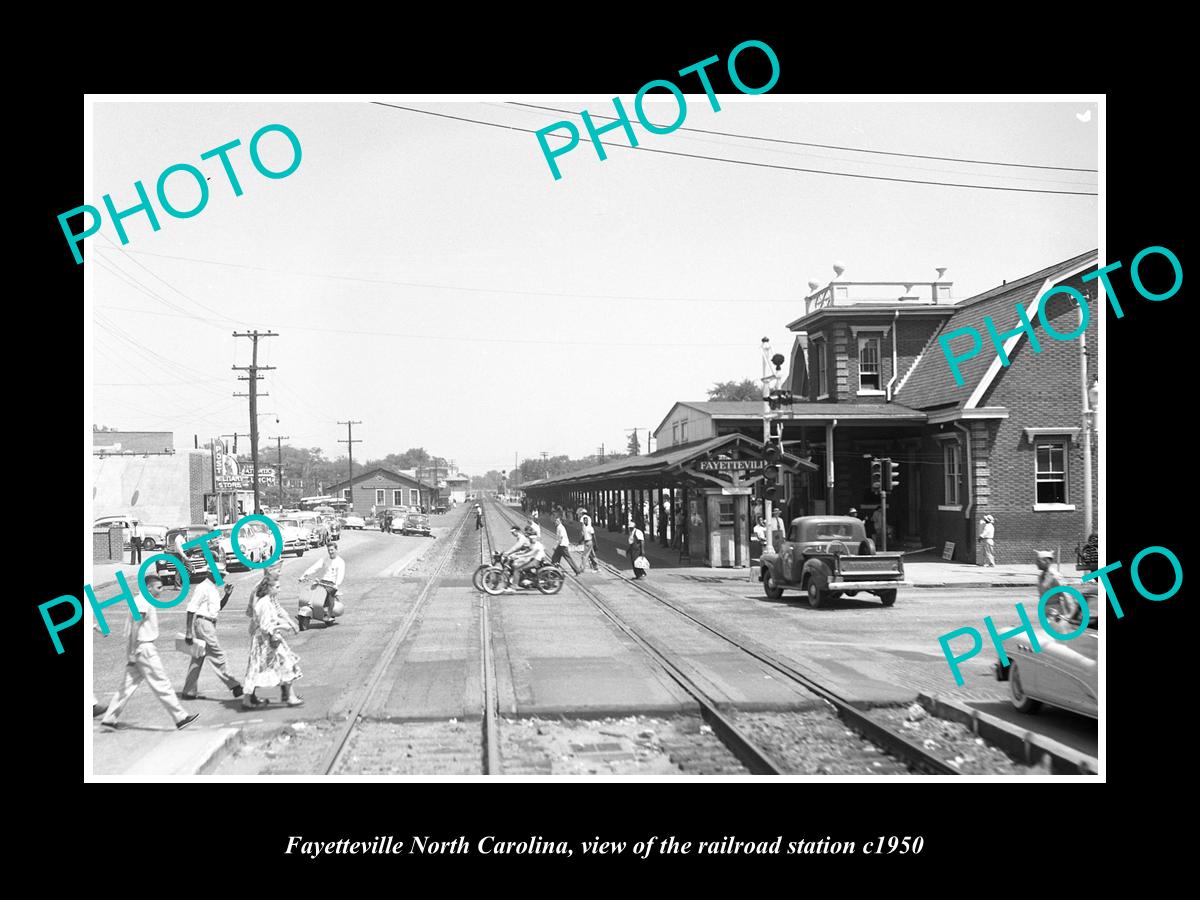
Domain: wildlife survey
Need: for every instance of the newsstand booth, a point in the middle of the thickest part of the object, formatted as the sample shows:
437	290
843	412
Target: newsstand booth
712	483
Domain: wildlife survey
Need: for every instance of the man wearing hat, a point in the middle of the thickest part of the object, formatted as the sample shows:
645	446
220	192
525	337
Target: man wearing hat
987	536
204	605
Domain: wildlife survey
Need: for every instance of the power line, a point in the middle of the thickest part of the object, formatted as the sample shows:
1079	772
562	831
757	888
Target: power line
751	137
808	154
462	339
465	289
759	165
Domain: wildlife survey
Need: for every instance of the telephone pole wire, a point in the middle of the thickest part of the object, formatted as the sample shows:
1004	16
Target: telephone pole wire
253	378
350	441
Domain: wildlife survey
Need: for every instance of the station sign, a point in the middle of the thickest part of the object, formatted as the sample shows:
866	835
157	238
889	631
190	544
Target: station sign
730	465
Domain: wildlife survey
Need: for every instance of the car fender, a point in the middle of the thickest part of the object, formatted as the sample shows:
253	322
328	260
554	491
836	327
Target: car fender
818	570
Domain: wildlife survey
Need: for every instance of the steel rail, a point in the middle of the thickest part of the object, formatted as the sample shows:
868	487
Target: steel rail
752	756
334	756
490	733
893	742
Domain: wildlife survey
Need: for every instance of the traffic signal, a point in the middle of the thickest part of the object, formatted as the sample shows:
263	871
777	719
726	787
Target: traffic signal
877	475
891	474
772	454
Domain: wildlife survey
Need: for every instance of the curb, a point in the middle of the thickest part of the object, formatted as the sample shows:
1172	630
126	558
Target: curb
969	584
1018	742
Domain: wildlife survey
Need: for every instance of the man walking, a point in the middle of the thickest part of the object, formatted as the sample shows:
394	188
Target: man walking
589	542
334	573
142	663
203	608
564	546
478	516
987	537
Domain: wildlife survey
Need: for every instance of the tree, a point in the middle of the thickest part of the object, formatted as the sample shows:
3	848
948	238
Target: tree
634	446
746	389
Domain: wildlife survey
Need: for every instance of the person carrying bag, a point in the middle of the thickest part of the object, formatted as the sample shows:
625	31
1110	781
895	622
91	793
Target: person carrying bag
637	551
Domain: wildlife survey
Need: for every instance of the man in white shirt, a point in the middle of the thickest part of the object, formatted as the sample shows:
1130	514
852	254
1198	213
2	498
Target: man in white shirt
589	541
987	536
334	572
142	662
205	603
563	550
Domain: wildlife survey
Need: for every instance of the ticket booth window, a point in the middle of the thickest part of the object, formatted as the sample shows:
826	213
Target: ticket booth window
726	513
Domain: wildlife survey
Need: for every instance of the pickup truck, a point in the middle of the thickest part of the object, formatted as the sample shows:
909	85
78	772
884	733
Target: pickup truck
827	556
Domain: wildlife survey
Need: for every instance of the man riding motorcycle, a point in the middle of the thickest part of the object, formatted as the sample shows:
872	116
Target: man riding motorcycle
535	555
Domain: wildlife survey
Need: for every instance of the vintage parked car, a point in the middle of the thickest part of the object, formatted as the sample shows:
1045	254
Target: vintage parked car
254	538
301	526
295	538
828	556
318	530
355	523
415	523
1061	673
193	557
153	536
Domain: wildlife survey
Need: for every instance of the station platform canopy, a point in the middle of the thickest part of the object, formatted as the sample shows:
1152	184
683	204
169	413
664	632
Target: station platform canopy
731	459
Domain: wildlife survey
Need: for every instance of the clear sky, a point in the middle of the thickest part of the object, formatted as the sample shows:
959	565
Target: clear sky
430	277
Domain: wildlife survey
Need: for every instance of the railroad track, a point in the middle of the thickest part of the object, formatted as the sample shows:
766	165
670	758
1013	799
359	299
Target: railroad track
740	743
335	755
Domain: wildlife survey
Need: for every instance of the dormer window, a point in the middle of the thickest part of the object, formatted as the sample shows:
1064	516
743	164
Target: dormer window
869	374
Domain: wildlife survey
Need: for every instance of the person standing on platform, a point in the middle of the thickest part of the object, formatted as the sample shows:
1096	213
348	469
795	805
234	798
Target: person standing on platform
478	516
204	605
637	549
142	663
563	550
987	537
758	538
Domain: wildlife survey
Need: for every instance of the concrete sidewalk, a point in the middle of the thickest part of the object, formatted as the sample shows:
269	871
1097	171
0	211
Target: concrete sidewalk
145	753
925	572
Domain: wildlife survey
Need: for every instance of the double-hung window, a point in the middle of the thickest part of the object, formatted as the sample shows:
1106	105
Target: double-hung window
1051	472
952	469
822	369
682	433
380	497
397	497
869	373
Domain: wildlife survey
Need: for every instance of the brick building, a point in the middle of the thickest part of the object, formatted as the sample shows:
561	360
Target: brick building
871	380
382	488
1007	441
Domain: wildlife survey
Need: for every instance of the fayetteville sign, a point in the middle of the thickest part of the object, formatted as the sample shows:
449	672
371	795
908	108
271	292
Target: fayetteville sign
730	465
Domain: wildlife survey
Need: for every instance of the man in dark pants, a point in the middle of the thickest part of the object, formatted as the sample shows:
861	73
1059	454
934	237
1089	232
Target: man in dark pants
135	543
563	550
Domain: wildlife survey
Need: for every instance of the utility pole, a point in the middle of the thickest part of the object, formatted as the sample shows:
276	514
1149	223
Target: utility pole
279	465
545	465
601	449
350	441
253	378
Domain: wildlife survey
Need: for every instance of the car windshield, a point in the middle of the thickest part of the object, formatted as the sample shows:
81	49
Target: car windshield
832	530
188	533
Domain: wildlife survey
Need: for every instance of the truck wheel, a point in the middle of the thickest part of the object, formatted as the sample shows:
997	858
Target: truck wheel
770	588
888	597
148	543
815	594
1020	701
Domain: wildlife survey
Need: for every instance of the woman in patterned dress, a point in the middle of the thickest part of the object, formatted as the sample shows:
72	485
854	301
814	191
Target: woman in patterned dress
272	661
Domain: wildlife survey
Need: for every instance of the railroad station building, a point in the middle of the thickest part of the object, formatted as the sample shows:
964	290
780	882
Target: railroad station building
382	488
871	380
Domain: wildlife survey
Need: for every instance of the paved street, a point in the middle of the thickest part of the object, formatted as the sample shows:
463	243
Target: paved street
377	592
559	655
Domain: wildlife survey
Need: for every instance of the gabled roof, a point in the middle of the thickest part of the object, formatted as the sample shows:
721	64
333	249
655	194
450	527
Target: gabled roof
371	473
931	382
658	463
